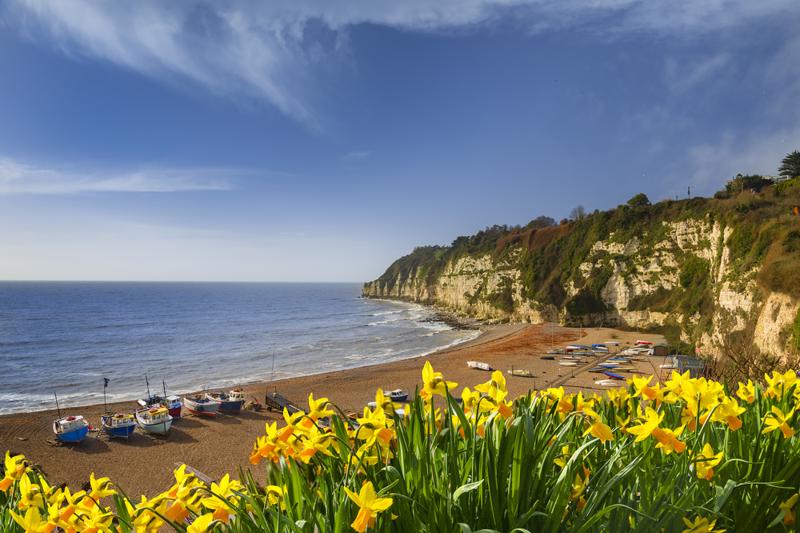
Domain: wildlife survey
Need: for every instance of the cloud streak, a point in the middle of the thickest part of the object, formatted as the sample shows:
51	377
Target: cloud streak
269	50
20	178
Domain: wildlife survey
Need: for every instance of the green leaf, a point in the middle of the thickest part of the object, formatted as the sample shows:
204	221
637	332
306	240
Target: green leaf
467	487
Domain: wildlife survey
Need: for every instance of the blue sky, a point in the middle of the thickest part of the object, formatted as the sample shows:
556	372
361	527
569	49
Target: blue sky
312	140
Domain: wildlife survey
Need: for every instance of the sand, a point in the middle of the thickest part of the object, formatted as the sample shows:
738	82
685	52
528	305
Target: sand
144	464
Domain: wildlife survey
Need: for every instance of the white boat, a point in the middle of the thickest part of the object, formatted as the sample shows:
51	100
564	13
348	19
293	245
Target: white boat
155	420
477	365
607	383
568	363
201	405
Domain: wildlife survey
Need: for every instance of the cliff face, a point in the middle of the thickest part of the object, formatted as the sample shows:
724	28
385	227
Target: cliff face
701	271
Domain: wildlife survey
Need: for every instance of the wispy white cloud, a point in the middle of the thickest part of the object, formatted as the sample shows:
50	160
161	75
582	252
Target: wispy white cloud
269	49
357	155
23	178
682	77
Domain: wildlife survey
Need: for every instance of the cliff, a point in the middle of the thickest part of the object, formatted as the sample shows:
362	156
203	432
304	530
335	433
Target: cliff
719	274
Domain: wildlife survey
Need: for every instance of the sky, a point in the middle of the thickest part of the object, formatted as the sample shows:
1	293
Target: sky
309	140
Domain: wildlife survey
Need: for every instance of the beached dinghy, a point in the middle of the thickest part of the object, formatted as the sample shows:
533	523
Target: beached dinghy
477	365
201	405
607	383
155	420
397	395
118	425
568	363
520	373
71	429
231	402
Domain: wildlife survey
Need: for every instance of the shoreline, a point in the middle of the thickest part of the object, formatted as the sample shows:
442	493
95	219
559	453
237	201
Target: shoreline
455	322
144	464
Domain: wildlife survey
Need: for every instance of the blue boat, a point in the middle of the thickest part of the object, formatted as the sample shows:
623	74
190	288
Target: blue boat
232	402
612	375
71	429
118	425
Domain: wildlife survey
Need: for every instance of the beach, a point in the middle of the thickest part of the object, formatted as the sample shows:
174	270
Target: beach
144	464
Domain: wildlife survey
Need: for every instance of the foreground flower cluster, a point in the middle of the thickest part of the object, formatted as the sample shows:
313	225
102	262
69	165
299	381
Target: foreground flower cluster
686	455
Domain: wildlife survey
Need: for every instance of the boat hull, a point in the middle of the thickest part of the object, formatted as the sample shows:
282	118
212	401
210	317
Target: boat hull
231	406
73	437
159	428
120	432
201	408
175	412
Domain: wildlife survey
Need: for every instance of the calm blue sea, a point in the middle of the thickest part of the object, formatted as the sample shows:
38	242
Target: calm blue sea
66	336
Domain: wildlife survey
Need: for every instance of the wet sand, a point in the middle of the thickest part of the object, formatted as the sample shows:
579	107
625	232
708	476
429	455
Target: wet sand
144	464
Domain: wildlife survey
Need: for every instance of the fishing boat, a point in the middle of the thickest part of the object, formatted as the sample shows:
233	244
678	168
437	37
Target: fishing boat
573	347
155	420
397	395
201	405
118	425
520	373
230	402
548	357
71	429
173	405
477	365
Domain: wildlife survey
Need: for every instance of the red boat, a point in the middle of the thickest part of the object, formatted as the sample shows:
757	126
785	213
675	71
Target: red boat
173	405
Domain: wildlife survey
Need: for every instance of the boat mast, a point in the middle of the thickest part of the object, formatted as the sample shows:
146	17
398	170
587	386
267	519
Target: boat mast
105	386
57	407
165	388
147	381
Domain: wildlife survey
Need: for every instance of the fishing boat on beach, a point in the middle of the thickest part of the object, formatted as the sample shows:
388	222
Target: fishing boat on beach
201	405
520	373
71	429
155	420
173	405
118	425
230	402
477	365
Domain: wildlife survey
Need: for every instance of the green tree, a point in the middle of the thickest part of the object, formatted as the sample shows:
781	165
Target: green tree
790	166
640	200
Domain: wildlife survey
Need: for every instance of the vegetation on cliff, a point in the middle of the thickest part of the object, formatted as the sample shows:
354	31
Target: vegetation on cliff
761	231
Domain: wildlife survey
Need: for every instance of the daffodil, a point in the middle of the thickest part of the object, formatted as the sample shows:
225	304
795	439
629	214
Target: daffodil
14	467
202	524
369	506
101	488
597	428
746	392
31	521
668	440
433	383
705	462
318	409
276	496
648	424
788	509
701	525
777	419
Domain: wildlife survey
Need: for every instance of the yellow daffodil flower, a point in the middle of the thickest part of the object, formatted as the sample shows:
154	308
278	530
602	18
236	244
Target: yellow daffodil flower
369	506
705	462
14	467
433	383
777	419
701	525
789	513
648	424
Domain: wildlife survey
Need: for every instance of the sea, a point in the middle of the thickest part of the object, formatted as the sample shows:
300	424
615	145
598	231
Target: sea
64	338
